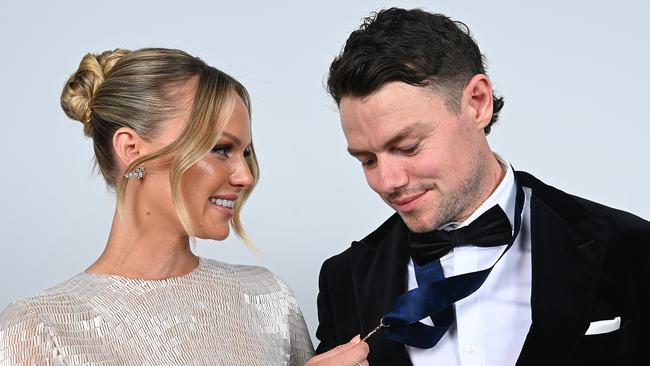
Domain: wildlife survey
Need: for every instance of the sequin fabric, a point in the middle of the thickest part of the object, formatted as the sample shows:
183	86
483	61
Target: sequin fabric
218	314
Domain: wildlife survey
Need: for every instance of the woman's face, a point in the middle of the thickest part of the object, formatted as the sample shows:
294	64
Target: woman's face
212	186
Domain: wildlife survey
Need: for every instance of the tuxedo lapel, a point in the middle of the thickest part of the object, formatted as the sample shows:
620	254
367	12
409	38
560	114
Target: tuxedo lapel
379	267
568	250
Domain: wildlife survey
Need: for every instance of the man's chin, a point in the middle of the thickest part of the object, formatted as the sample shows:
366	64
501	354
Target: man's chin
417	224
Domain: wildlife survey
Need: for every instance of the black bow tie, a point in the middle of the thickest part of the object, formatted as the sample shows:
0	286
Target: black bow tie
490	229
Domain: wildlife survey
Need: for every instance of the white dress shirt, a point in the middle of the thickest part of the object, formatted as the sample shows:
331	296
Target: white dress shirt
492	323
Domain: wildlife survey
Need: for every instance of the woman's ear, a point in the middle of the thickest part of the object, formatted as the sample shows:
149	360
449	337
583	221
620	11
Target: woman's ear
127	145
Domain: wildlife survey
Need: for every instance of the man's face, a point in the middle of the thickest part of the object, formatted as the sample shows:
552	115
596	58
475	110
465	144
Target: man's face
427	163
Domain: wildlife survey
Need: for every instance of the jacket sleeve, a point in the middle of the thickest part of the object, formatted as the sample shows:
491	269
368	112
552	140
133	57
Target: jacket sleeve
643	351
326	332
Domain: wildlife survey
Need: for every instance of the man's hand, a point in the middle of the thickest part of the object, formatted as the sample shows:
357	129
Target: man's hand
353	353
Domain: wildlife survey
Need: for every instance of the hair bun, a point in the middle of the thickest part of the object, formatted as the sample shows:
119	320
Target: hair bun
80	89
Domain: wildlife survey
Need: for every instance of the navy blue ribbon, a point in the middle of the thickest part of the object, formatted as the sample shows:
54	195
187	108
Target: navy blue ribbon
435	295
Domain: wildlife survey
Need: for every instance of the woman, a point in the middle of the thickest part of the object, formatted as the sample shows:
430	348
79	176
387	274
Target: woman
173	136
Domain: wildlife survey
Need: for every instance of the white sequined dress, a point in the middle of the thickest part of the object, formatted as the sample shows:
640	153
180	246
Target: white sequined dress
218	314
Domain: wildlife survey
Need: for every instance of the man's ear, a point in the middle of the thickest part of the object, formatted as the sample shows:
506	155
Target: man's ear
477	100
127	145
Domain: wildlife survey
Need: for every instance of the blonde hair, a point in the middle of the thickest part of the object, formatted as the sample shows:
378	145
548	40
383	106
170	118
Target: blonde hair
135	89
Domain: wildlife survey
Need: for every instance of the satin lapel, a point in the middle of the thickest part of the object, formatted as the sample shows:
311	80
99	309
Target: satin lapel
568	250
379	270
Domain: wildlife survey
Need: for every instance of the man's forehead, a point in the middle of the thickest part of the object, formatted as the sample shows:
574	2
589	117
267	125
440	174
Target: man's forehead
394	100
384	100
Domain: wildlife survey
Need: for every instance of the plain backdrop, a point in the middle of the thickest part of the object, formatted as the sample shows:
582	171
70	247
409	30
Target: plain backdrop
573	74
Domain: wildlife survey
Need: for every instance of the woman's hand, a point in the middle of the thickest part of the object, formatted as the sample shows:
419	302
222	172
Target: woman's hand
353	353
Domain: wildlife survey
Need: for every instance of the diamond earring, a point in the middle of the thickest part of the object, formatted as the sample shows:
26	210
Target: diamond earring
135	173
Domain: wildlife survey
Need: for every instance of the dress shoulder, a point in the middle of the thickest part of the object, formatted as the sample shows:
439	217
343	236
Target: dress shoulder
251	278
25	339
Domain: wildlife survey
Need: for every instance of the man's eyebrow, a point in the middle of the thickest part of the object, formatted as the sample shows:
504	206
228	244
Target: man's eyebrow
408	131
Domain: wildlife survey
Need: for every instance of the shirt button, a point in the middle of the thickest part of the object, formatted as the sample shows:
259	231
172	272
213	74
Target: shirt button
470	348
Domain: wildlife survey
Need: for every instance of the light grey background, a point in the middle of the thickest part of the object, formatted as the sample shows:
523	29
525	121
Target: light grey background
574	75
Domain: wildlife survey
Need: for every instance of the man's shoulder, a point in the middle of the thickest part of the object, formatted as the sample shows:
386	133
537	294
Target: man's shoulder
617	218
576	207
370	242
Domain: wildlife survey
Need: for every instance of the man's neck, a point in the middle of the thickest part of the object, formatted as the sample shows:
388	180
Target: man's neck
495	173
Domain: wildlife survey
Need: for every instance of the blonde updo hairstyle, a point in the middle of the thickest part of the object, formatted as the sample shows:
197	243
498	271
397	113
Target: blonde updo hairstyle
135	89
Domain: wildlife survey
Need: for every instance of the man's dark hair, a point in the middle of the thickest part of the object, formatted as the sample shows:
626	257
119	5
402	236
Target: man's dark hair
411	46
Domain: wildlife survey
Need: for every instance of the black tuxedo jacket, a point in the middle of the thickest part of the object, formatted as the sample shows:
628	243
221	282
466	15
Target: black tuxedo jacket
589	263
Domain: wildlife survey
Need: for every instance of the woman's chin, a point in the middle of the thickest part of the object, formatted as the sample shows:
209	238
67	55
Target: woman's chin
218	234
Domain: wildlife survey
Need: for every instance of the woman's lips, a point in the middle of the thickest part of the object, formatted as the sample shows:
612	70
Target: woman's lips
225	210
224	203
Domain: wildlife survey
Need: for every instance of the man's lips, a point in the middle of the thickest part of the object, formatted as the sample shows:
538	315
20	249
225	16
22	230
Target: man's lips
406	203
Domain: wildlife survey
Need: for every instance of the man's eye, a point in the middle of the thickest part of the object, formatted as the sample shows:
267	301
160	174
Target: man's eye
367	162
223	150
410	149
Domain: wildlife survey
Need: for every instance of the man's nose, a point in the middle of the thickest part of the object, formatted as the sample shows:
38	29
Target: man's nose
389	176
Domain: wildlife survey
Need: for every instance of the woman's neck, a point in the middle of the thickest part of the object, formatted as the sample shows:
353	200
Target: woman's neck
140	249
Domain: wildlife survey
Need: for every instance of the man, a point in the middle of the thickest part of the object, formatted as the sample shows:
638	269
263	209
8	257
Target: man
567	284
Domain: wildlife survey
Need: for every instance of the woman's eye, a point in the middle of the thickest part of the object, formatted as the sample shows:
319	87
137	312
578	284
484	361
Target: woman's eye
247	152
223	150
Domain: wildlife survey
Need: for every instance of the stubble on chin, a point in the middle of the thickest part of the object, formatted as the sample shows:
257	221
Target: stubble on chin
453	206
440	214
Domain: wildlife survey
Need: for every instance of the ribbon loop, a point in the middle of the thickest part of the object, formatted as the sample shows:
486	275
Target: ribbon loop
435	295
